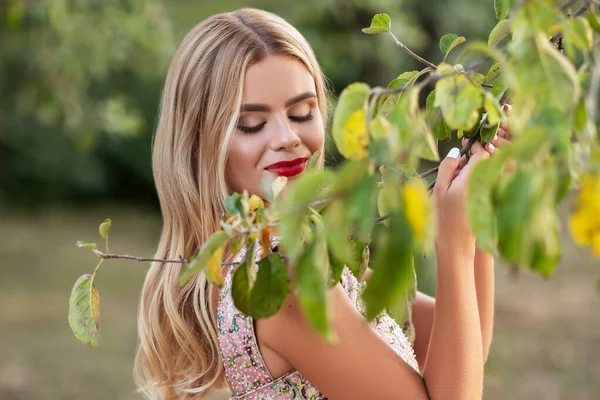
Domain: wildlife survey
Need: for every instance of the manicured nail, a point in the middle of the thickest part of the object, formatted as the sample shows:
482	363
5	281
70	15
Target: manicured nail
495	137
491	147
453	153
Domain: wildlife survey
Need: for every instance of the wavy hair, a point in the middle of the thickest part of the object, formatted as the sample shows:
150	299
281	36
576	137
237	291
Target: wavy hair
178	352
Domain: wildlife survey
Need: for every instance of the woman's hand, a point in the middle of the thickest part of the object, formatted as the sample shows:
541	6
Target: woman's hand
502	138
449	198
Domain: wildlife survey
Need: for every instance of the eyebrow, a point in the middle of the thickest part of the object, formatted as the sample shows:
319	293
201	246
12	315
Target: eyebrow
289	103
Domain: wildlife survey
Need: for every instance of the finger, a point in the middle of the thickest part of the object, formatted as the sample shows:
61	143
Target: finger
504	132
446	171
478	147
504	126
479	153
501	142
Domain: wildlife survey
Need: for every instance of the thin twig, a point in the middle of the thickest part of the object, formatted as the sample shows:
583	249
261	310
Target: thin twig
140	259
415	56
429	172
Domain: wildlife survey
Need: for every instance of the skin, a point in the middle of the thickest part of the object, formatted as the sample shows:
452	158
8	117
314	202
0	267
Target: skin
453	331
284	136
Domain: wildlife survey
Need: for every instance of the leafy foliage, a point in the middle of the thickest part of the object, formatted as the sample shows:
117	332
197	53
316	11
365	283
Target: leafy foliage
327	219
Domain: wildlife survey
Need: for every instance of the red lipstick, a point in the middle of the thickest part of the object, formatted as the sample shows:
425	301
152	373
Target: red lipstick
288	168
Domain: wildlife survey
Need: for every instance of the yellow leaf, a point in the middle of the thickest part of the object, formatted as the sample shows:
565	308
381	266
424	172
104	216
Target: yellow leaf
255	202
355	137
215	274
580	228
416	198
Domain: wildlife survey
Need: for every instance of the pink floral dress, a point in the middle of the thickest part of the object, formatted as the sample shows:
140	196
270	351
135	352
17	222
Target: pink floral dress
245	369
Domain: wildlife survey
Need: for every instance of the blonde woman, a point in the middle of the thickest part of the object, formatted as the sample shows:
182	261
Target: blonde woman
244	97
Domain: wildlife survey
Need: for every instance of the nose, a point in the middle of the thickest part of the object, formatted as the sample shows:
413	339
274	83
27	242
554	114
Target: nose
284	137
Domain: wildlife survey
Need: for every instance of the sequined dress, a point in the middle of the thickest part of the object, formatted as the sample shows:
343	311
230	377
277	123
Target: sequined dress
245	369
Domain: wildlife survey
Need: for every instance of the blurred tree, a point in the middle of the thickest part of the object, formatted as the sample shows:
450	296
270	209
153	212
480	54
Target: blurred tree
79	82
81	79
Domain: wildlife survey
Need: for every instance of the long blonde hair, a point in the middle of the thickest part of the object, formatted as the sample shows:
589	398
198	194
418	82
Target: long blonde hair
178	352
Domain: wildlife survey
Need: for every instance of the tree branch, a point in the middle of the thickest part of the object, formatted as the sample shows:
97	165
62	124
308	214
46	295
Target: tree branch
415	56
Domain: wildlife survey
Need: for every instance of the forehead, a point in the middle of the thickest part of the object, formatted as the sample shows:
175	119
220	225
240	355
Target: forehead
276	79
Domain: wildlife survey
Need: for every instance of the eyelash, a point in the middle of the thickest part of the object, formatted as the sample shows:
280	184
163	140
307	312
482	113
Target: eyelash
254	129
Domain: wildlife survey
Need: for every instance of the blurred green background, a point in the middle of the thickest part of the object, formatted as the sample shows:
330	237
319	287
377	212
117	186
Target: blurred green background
80	83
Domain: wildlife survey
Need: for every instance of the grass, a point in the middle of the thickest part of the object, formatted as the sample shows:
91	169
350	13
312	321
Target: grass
546	343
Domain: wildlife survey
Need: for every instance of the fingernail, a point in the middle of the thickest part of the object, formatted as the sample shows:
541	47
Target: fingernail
495	137
453	153
491	147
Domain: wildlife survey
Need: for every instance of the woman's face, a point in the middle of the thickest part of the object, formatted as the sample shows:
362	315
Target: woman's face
279	121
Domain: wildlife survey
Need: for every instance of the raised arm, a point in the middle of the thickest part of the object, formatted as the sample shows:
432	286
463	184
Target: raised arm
359	364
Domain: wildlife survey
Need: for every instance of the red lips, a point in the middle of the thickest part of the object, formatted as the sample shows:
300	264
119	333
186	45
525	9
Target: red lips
288	168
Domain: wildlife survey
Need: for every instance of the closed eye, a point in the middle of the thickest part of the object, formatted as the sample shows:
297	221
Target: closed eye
257	128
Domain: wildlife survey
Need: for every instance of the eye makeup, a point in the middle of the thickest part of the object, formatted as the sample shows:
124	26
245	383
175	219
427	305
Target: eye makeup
257	128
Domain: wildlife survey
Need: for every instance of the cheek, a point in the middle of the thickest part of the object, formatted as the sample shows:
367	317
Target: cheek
243	157
314	137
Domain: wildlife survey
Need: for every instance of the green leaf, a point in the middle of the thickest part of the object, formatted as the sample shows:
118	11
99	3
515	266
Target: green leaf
499	33
459	100
546	255
497	56
294	208
494	113
560	75
360	207
401	309
104	228
84	311
237	243
492	72
338	232
488	132
480	204
440	128
579	32
335	270
380	23
240	287
392	265
91	246
197	263
312	161
502	7
513	216
593	21
353	98
414	133
449	41
404	80
271	287
234	204
311	290
498	89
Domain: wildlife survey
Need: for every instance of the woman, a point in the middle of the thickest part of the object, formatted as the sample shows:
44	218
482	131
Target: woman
243	93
